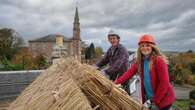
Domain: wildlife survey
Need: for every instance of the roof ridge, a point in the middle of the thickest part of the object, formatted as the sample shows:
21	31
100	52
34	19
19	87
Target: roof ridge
49	38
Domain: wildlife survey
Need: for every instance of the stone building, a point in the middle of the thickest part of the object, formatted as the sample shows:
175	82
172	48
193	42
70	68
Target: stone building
46	45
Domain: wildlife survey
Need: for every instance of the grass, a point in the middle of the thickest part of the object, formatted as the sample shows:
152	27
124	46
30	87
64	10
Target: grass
182	104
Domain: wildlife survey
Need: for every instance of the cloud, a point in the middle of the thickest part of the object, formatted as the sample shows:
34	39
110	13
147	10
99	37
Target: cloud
171	22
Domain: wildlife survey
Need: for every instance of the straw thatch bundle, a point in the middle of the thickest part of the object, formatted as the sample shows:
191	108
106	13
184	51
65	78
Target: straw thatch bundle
70	85
52	90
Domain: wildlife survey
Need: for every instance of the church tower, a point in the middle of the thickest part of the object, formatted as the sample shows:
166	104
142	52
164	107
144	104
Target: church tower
76	36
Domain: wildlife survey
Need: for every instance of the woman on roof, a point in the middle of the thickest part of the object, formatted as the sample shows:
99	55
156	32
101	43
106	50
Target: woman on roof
151	65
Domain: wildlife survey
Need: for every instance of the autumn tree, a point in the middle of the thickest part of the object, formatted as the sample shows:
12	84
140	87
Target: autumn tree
41	62
25	58
182	67
192	66
98	52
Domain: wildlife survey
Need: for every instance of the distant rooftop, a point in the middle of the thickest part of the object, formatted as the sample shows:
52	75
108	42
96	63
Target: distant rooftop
50	38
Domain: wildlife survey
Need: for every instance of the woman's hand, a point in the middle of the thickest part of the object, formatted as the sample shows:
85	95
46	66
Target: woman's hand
115	81
119	86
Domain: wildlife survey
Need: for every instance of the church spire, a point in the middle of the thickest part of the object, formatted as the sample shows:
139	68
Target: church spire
76	17
76	36
76	28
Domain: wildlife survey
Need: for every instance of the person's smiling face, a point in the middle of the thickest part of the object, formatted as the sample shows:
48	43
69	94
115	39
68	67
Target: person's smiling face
145	48
113	40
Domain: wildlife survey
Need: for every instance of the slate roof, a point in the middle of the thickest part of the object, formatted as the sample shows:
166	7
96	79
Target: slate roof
50	38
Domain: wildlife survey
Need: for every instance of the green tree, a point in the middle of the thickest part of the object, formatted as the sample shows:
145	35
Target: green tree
10	43
87	53
9	65
92	50
189	51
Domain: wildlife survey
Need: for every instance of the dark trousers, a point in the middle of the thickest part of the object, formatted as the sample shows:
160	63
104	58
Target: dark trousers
166	108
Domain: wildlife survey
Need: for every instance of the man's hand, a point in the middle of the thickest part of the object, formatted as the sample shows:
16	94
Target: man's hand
95	66
118	85
148	104
105	74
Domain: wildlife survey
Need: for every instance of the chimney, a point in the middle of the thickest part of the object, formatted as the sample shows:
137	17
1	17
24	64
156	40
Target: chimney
59	40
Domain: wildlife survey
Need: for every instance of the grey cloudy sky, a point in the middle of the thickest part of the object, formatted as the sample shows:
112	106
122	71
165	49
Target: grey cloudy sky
172	22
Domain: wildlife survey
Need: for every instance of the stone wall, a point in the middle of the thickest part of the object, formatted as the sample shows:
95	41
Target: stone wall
41	48
46	49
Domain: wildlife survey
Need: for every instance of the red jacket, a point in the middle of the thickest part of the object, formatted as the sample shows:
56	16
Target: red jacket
163	91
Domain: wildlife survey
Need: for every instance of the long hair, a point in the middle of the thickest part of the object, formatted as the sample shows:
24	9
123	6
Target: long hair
155	52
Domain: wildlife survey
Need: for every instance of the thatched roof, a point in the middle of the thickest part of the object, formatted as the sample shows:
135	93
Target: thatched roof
70	85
